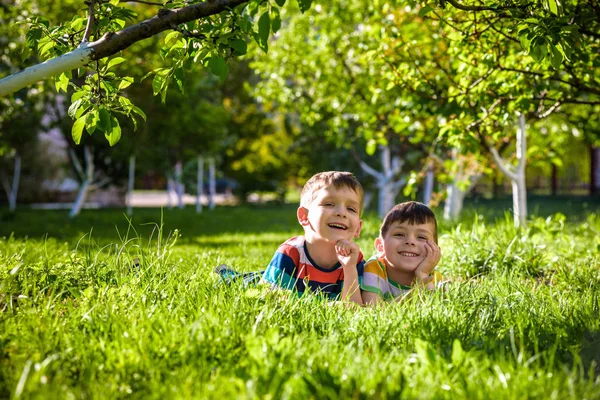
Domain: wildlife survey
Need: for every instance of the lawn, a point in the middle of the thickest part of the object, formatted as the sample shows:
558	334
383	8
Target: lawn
520	318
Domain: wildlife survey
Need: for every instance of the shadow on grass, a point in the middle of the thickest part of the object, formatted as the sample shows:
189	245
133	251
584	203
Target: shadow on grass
108	225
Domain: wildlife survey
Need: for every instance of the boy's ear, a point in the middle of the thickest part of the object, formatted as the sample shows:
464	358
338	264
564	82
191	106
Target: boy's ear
379	245
302	214
357	233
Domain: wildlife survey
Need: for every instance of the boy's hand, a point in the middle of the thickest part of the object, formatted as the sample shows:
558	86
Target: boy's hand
347	252
432	258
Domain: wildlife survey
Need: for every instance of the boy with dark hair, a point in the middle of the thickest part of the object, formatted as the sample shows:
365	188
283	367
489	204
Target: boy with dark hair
407	253
324	260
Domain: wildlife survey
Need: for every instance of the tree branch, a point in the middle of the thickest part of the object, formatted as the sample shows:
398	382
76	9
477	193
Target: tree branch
89	25
456	4
113	42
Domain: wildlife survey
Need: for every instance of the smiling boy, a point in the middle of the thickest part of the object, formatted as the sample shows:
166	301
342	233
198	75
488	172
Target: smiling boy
324	260
407	253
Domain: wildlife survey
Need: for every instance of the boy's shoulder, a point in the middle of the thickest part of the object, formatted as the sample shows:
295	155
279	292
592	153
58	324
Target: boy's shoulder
376	265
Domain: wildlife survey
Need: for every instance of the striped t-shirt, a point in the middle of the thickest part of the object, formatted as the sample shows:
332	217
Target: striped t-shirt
376	280
292	268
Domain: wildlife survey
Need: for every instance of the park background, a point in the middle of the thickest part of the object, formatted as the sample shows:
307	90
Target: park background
488	112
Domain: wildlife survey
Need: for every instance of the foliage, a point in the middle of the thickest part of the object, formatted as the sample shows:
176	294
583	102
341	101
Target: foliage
78	320
99	91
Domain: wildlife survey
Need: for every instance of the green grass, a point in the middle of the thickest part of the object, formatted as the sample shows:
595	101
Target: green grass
521	318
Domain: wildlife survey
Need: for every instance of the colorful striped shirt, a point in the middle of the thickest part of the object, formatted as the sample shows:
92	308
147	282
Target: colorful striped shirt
376	280
292	268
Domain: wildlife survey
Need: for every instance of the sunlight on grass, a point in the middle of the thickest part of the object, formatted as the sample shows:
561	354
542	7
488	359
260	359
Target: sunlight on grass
520	319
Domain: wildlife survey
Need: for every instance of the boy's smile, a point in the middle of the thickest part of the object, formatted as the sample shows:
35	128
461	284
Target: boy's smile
333	215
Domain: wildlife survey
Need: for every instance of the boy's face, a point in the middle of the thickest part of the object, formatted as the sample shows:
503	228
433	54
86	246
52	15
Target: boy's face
403	245
333	215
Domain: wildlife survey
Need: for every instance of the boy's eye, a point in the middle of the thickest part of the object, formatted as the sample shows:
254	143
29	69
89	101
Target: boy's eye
352	209
422	237
399	234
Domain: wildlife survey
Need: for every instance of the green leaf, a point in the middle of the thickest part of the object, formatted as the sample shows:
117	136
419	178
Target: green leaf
91	120
125	82
276	23
114	134
114	61
264	27
73	108
371	147
425	10
304	5
218	66
239	46
104	116
553	6
179	78
114	2
556	57
77	95
171	36
280	3
77	129
62	82
253	6
139	112
157	83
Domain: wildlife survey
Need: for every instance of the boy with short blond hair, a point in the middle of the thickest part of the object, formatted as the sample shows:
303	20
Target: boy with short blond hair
407	253
324	260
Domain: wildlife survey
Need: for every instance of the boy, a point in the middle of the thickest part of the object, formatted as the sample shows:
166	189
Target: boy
407	253
324	260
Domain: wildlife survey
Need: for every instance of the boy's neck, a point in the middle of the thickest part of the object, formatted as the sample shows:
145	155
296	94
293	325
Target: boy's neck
405	278
322	253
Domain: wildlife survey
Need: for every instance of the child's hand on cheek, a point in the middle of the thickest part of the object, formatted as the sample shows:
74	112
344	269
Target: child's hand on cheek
347	252
432	258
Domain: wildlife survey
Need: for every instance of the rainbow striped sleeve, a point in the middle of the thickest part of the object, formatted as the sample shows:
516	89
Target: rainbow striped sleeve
374	277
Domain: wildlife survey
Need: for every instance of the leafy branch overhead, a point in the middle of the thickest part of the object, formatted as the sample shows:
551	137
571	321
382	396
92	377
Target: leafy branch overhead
205	33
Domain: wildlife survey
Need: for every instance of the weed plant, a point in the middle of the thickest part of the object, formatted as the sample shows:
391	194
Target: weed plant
519	319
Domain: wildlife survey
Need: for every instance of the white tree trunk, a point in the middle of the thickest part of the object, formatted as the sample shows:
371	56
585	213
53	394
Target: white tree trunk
200	184
86	181
517	176
212	185
170	189
12	190
388	188
179	184
12	201
454	201
428	189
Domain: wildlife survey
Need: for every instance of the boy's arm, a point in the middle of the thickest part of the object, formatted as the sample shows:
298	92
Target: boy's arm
347	253
371	298
432	258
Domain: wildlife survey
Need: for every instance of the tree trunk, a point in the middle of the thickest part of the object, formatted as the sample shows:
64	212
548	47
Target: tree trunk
428	189
454	201
517	177
12	198
170	189
388	188
179	184
130	183
212	186
200	184
87	179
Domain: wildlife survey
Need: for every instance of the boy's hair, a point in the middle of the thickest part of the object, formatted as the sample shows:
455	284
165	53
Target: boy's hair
338	179
411	212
